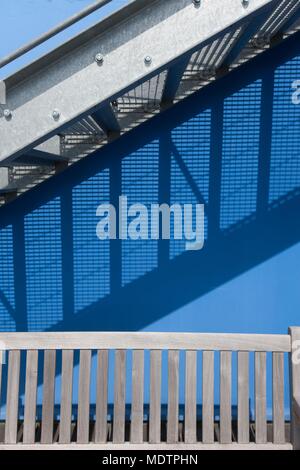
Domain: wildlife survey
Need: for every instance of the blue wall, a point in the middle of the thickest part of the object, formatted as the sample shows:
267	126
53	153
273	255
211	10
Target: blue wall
234	146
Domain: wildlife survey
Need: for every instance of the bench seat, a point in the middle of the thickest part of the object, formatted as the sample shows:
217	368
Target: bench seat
47	405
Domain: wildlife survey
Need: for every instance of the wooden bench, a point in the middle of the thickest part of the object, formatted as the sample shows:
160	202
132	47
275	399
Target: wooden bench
37	359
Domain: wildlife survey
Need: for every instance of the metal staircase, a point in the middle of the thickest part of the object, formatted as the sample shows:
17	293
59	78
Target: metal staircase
121	72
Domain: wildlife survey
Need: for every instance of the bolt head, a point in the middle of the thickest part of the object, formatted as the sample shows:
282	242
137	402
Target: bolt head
245	3
148	60
56	114
99	58
197	3
7	113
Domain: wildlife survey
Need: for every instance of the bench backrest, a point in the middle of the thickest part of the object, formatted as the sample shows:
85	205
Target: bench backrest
207	348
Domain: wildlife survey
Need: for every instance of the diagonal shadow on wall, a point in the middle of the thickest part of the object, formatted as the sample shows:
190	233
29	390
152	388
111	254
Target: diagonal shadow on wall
233	146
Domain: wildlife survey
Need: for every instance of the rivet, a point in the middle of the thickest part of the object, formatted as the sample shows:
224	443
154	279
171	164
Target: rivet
56	114
99	58
148	60
7	114
197	3
245	3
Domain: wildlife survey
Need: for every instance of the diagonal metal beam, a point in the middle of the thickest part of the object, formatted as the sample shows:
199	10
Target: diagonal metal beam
247	33
68	83
46	154
106	118
173	79
51	146
38	158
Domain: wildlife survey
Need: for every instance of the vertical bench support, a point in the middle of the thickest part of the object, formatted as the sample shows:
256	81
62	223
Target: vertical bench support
295	386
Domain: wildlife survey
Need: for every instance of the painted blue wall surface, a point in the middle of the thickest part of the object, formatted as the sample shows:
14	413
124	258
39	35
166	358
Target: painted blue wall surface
234	146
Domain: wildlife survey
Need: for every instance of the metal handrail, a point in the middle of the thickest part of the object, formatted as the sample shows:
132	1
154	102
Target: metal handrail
53	32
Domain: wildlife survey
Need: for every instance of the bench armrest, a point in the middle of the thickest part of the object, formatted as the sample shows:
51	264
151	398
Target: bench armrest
297	408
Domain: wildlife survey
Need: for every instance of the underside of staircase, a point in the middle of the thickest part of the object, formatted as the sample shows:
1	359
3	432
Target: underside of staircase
130	66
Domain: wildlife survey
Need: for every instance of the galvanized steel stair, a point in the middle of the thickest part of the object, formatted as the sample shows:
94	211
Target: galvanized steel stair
121	72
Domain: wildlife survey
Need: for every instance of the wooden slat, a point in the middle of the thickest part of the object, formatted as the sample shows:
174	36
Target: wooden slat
101	400
173	397
190	425
151	341
243	398
84	397
155	397
66	397
119	397
225	397
278	399
260	397
137	406
208	397
48	397
12	399
30	397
